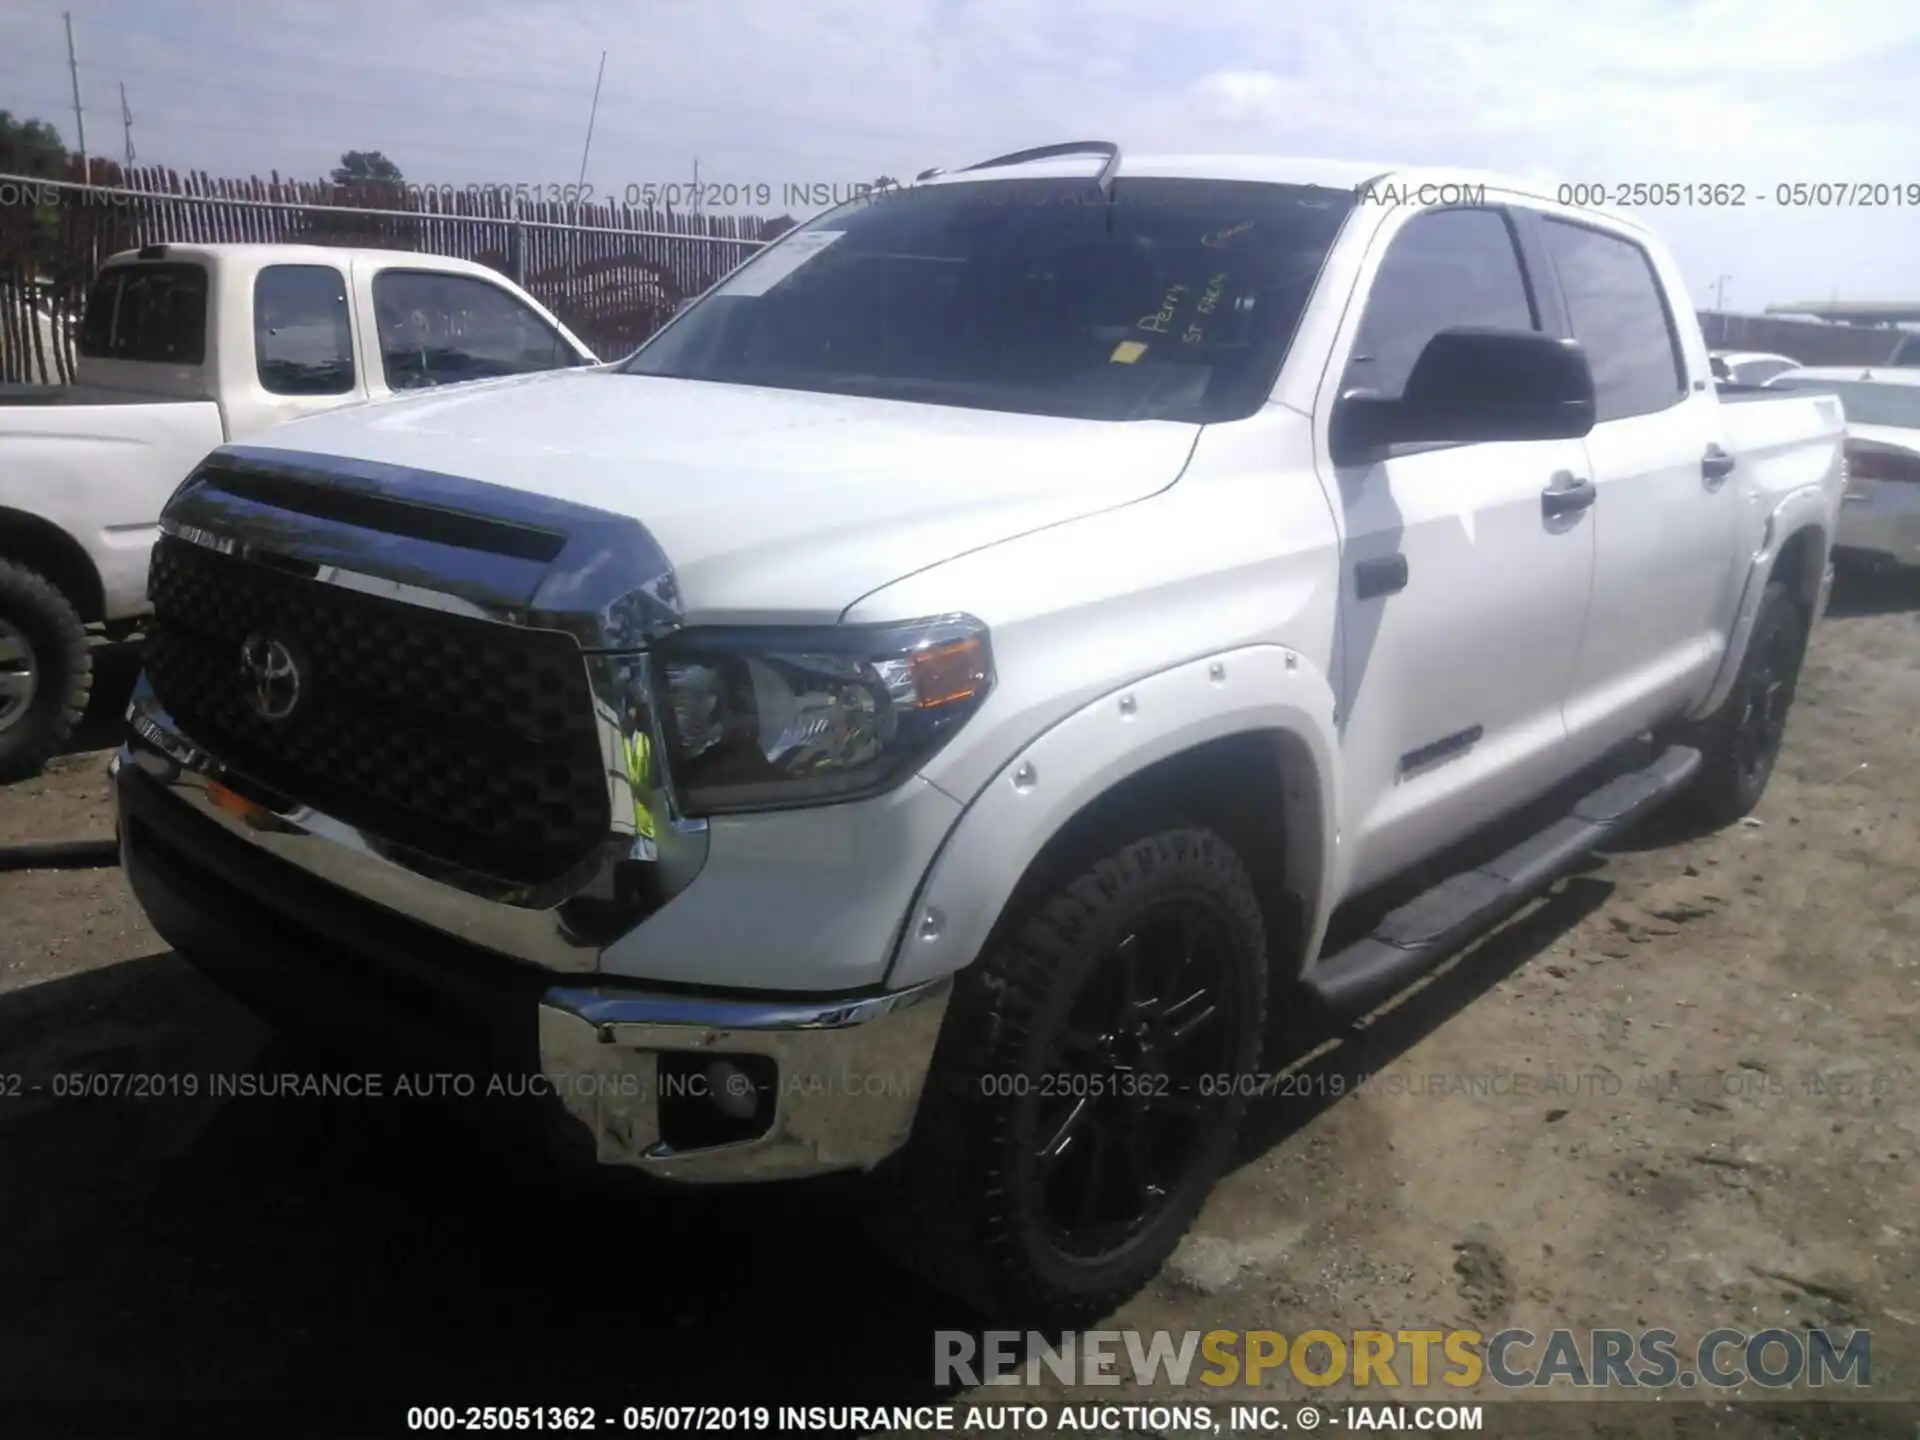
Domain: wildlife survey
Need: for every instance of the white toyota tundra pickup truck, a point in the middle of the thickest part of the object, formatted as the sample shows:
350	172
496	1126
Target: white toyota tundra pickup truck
925	712
183	348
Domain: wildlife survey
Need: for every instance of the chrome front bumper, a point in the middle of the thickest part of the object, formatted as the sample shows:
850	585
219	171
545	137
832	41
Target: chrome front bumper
849	1074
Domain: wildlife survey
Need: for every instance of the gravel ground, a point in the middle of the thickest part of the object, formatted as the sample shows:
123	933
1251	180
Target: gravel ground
1684	1091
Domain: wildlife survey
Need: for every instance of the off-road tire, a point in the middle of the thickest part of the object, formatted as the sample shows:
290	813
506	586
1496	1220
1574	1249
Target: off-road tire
953	1205
1732	777
52	627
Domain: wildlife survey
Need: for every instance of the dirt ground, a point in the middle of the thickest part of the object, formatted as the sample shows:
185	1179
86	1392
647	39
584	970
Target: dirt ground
1684	1091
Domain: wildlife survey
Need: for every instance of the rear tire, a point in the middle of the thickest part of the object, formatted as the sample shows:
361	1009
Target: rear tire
46	670
1083	1097
1740	742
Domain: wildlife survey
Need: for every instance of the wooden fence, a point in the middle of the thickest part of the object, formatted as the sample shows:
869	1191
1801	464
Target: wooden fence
612	272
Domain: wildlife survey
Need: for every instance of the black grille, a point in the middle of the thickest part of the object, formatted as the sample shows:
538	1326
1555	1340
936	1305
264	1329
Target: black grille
470	741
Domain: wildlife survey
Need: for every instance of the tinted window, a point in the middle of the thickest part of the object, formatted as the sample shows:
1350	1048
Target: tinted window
1170	299
438	329
151	312
302	343
1909	351
1620	317
1444	269
1866	403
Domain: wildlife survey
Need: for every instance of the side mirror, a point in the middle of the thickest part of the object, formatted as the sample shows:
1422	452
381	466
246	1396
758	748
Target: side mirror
1473	386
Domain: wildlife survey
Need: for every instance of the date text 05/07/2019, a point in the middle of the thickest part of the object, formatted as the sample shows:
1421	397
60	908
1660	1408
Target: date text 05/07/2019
653	194
1668	194
1107	1419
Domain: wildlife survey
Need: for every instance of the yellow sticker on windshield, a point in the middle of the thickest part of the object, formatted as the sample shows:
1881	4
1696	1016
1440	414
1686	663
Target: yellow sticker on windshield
1128	351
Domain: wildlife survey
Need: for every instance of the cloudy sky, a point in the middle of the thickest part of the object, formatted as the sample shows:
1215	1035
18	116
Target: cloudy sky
832	92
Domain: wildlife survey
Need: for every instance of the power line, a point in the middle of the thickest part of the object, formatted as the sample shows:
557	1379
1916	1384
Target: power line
79	115
591	114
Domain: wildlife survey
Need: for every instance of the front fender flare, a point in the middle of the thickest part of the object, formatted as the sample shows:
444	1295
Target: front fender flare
1262	688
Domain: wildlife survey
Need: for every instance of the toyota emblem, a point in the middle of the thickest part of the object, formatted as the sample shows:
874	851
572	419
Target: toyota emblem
273	677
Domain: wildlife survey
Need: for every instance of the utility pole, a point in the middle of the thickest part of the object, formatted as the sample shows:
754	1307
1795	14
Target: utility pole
126	123
696	186
79	116
1720	292
590	117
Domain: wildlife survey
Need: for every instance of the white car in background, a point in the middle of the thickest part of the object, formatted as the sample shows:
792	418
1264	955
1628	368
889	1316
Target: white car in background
1881	513
1748	367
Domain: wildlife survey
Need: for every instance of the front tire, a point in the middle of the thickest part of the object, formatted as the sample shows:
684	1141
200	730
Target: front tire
1740	742
46	670
1087	1086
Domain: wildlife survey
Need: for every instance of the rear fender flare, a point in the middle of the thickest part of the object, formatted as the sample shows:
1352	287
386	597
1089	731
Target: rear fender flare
1806	509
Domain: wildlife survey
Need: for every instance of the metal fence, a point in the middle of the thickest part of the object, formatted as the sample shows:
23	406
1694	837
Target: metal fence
612	272
1811	342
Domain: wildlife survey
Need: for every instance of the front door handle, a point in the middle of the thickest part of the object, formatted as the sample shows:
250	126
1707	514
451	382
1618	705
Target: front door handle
1567	495
1715	466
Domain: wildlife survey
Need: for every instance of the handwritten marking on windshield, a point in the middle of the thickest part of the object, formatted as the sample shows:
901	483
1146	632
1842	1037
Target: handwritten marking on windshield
1220	239
1211	298
1161	321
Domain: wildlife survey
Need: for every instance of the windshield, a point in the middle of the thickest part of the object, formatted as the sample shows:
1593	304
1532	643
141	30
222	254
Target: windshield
1176	300
1866	403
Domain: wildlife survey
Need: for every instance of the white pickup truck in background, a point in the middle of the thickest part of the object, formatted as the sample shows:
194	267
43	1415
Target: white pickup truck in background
928	708
1880	519
184	348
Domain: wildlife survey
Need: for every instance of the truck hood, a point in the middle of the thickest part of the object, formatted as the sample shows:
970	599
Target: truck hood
765	502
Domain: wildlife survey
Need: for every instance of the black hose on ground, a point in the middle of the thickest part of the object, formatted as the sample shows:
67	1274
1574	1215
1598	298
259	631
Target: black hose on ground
61	855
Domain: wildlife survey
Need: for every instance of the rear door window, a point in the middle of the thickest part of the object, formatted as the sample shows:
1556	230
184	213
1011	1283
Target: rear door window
149	311
1620	318
302	339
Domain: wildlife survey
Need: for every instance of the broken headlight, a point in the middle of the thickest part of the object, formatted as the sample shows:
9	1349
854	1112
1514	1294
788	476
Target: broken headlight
777	717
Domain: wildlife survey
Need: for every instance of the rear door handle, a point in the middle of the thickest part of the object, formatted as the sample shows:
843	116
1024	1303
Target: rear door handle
1567	495
1715	466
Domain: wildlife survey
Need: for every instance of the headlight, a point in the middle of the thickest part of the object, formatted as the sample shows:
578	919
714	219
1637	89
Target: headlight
767	719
